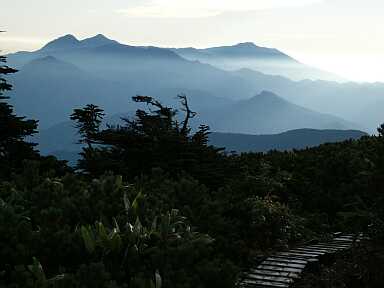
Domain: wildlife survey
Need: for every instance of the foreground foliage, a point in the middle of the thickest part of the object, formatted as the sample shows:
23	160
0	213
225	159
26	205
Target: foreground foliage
151	204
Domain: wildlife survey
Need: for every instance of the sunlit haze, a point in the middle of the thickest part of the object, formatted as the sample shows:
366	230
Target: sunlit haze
341	36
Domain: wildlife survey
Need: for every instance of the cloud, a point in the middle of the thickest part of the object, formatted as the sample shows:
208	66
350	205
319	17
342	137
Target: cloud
205	8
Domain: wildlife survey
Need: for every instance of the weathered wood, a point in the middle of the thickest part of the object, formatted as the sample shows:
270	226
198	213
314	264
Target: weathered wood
279	279
263	283
278	268
276	273
328	249
307	251
298	254
284	264
315	249
286	260
281	269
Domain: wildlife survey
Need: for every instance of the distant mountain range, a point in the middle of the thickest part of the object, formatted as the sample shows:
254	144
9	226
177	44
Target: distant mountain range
61	140
267	113
294	139
248	55
68	73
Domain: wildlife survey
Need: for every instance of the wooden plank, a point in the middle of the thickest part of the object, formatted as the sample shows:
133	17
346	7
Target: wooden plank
278	268
344	239
294	257
316	249
276	273
264	283
298	255
286	259
278	279
322	248
284	264
308	251
338	245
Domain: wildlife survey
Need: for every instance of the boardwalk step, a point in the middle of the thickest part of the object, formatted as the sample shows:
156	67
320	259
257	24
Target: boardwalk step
262	283
307	251
325	248
276	273
280	270
298	255
286	260
315	249
284	264
279	279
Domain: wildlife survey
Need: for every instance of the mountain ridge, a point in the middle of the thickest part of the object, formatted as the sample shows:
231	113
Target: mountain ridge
151	70
288	140
69	41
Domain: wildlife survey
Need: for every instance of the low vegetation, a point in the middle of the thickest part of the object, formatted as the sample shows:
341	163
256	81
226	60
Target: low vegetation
151	204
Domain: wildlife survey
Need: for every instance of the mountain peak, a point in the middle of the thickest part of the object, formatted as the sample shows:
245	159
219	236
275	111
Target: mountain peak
268	97
50	65
64	42
70	42
99	36
46	61
67	38
96	41
246	45
266	93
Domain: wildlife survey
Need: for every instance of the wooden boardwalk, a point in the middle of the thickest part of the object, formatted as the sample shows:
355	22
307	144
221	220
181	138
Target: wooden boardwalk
283	268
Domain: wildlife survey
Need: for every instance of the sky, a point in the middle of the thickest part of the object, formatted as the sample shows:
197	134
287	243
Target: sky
341	36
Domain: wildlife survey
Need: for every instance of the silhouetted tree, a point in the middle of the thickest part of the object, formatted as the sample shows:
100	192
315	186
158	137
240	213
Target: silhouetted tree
189	114
13	128
88	121
381	130
155	138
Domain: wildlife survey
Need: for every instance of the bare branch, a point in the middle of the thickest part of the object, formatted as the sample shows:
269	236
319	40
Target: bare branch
189	114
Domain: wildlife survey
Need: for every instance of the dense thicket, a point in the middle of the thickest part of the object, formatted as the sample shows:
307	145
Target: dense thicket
151	204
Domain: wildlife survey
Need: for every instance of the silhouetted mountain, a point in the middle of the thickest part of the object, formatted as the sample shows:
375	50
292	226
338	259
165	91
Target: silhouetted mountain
97	41
355	102
248	55
49	89
65	42
258	115
268	113
112	72
294	139
61	139
145	69
71	42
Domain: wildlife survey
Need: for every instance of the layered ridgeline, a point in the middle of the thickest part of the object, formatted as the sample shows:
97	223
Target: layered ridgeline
61	140
68	73
248	55
294	139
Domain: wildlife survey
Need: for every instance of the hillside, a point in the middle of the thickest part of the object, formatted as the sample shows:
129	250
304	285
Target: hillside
353	101
294	139
248	55
267	113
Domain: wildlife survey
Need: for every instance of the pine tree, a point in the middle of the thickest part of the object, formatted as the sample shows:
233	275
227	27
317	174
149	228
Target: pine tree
88	121
154	139
13	129
380	130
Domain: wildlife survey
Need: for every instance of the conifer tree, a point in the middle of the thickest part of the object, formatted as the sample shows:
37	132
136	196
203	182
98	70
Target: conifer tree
381	130
88	121
153	139
13	129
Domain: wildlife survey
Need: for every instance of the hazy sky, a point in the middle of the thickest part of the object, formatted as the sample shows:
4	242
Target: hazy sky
342	36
